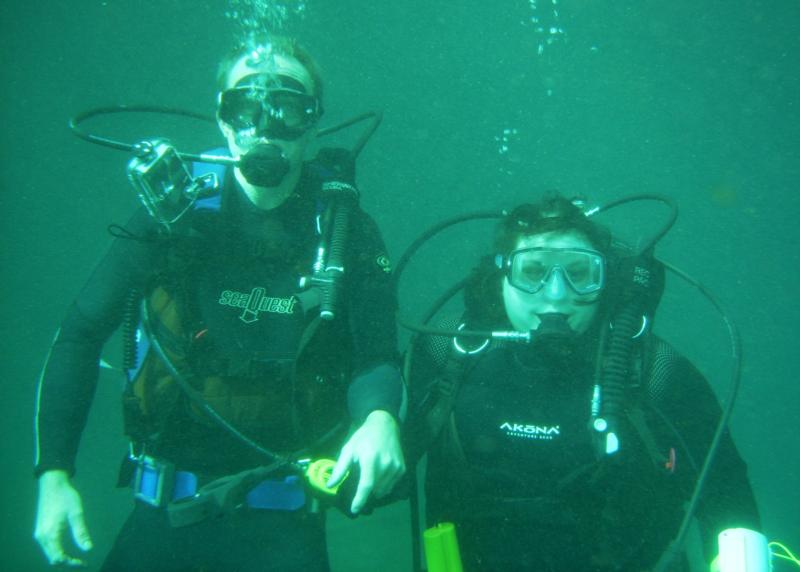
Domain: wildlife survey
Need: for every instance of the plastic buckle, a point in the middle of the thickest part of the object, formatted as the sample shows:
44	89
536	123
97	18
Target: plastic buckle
154	481
287	494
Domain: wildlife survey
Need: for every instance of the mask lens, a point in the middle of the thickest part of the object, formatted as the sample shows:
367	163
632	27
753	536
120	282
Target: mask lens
293	109
240	107
530	268
273	113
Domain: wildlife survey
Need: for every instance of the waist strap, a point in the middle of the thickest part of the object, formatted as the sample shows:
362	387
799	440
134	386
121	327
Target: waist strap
158	484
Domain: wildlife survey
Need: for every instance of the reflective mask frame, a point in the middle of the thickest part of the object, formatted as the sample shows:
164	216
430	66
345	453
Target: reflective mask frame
269	106
529	269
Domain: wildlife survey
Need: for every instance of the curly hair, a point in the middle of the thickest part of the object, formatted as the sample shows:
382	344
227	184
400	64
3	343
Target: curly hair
554	213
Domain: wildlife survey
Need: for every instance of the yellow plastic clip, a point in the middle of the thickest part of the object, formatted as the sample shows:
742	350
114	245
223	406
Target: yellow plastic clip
319	473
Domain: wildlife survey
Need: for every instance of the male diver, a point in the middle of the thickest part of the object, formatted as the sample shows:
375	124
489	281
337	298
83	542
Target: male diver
237	381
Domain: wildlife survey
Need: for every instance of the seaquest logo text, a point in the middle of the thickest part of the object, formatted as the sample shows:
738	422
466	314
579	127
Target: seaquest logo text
255	302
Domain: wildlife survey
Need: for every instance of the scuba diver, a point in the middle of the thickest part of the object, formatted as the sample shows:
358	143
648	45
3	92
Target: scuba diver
579	447
260	339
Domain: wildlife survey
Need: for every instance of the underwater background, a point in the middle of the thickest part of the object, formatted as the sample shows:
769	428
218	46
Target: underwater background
486	104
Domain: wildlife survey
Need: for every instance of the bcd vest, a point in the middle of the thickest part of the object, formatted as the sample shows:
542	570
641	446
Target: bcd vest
235	327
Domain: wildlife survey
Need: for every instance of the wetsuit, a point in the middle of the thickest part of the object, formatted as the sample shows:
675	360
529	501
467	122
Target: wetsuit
239	268
517	470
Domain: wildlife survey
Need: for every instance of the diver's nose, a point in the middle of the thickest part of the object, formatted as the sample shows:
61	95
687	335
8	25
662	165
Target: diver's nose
556	285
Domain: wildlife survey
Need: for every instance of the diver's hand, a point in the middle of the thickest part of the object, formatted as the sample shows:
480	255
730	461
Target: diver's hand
375	447
60	507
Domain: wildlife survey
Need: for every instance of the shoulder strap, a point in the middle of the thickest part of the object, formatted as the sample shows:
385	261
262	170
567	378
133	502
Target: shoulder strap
638	420
216	175
439	418
445	388
645	367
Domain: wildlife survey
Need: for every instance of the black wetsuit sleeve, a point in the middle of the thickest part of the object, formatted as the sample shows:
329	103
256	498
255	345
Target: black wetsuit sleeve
372	303
69	378
727	500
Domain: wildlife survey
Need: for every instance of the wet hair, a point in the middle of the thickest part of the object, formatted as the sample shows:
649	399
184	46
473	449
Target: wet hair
483	292
278	44
554	213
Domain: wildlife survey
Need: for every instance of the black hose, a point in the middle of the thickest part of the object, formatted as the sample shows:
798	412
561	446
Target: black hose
376	116
414	512
75	122
736	370
339	235
412	250
198	400
130	323
436	229
618	358
342	197
665	228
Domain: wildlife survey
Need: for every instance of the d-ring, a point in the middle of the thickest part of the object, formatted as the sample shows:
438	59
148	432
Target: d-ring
461	349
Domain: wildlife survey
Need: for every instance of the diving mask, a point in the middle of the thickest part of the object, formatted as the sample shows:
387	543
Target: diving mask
269	106
529	269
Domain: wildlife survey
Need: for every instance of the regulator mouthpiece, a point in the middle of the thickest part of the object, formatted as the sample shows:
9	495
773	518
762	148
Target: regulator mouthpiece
553	326
264	165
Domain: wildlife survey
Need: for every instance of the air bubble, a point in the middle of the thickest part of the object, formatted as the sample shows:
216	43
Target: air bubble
257	17
547	24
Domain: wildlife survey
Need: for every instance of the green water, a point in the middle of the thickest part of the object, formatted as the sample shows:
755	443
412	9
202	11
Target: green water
698	100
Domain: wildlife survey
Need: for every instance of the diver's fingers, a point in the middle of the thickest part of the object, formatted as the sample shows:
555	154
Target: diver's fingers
71	562
49	540
49	529
51	546
59	506
80	533
366	483
342	465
